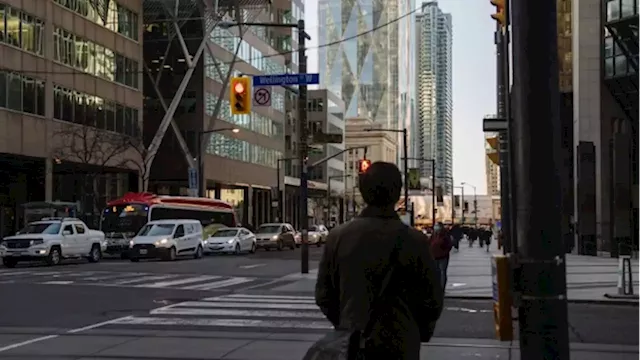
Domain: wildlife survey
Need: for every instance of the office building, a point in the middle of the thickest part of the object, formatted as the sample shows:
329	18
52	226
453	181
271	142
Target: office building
604	114
238	166
362	70
492	165
71	81
434	92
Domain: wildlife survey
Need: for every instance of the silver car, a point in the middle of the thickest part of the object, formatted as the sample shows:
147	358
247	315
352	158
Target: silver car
318	234
230	241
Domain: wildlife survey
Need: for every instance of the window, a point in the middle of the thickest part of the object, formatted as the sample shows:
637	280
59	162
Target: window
3	89
206	217
79	228
68	229
107	13
87	109
29	98
14	91
3	33
13	26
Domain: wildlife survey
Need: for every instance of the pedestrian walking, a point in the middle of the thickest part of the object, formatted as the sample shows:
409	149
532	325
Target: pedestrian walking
382	306
440	245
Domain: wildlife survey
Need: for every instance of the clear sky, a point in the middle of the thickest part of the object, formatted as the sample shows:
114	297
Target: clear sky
474	78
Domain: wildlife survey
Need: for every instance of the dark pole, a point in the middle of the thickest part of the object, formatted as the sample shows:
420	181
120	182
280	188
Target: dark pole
328	199
433	192
201	177
279	196
463	220
542	309
503	137
453	204
405	146
302	151
511	198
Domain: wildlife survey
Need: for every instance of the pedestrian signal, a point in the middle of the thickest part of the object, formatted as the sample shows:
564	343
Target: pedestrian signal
240	96
500	15
364	165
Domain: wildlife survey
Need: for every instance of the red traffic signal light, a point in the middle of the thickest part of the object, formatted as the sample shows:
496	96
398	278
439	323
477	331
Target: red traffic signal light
364	165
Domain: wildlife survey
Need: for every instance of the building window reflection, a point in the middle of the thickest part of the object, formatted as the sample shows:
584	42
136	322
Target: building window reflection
254	122
21	93
236	149
22	30
77	107
94	59
107	13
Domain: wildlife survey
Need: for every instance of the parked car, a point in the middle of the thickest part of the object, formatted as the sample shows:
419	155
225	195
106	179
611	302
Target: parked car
167	239
230	240
51	240
318	234
275	236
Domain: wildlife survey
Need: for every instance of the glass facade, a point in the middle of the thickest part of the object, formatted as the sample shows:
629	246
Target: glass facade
362	70
254	122
107	13
407	79
22	30
565	51
236	149
616	63
435	93
84	55
77	107
21	93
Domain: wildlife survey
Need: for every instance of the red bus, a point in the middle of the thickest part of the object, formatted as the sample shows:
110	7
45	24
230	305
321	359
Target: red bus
124	217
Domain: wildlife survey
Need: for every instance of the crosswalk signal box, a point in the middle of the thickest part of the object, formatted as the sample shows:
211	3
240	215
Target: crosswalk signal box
240	96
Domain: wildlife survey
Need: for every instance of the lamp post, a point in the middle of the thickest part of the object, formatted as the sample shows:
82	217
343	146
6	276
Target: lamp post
345	176
201	178
475	202
405	146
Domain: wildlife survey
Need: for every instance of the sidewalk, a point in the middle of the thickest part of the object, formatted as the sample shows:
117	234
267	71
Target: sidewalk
173	345
588	278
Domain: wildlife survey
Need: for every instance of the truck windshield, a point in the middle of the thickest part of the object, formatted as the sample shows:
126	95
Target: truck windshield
124	218
41	228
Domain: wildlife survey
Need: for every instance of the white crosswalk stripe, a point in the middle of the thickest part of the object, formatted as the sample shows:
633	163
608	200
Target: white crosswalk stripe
194	282
261	312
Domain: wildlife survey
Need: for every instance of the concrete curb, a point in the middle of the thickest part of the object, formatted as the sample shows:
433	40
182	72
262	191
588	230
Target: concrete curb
605	301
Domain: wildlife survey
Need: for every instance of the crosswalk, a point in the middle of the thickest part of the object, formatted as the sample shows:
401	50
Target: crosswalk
197	282
263	313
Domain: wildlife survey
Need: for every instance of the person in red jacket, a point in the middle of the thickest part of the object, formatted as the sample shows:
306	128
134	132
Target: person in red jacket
440	244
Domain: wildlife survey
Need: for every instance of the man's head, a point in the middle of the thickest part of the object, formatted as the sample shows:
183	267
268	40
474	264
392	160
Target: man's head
381	184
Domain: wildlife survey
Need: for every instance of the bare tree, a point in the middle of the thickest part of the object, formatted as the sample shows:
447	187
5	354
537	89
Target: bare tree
97	151
141	151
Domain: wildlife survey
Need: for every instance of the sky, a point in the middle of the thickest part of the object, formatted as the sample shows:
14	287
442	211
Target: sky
474	79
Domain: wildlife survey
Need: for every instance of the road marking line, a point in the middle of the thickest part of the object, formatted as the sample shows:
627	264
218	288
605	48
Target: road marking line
240	301
219	284
210	304
114	276
53	336
283	324
144	278
14	273
251	266
57	282
180	281
248	296
245	313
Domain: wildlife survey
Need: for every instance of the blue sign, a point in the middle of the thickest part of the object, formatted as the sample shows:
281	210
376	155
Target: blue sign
193	178
286	79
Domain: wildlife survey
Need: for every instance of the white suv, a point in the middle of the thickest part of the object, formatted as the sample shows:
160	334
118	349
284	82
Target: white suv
51	240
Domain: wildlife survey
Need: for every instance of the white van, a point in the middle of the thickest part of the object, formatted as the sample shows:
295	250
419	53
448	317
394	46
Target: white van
167	239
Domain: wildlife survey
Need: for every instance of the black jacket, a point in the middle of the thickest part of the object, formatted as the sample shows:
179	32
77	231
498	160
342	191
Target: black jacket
353	265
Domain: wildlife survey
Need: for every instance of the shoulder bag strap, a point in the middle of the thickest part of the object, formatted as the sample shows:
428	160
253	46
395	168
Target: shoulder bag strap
376	306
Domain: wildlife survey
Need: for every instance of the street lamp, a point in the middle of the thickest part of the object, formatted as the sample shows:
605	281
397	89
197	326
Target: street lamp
345	176
280	207
405	146
475	202
201	178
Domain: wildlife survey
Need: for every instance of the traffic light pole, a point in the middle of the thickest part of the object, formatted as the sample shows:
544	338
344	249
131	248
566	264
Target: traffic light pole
303	144
540	292
502	71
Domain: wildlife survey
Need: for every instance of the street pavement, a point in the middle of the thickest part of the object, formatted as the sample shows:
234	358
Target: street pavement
250	307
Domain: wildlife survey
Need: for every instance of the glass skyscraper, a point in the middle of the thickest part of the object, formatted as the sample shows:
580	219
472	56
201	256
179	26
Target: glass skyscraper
434	35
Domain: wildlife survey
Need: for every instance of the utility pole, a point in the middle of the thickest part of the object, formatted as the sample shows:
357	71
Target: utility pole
541	292
303	144
405	146
502	82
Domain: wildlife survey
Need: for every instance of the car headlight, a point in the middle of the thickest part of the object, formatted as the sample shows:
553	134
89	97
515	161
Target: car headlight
205	241
161	242
231	241
274	237
36	242
131	243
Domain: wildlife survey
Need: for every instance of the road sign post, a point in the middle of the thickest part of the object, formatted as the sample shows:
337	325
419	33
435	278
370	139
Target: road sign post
193	182
262	96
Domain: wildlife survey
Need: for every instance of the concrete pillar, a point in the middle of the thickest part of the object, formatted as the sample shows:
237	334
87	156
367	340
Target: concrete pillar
250	208
622	200
48	179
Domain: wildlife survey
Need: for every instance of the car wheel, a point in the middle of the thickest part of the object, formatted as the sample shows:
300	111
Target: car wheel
9	262
171	256
134	259
280	245
253	248
54	256
237	250
198	253
96	254
318	244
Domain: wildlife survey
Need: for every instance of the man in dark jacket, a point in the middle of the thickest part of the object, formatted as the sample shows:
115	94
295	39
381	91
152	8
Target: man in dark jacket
440	245
356	260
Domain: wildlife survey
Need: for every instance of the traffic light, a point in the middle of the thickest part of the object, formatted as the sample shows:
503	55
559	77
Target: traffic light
500	15
240	96
364	165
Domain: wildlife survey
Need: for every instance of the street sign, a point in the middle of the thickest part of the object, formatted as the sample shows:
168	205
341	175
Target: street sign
286	79
261	96
494	124
193	181
322	138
